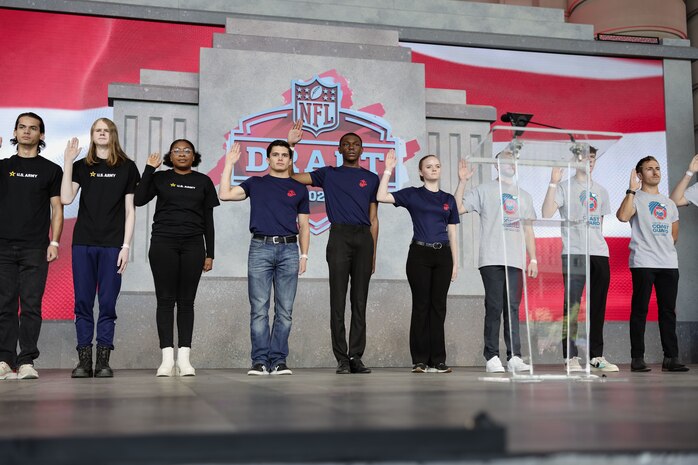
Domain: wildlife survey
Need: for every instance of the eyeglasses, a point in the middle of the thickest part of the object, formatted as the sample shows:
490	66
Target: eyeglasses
177	151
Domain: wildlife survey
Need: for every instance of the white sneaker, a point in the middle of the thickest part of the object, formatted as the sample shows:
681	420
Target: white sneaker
6	372
27	371
516	364
601	364
184	367
573	364
167	367
494	365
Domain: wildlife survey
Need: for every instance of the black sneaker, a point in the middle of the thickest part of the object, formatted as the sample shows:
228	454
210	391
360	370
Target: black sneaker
258	369
357	366
419	368
442	368
638	365
343	368
281	369
672	364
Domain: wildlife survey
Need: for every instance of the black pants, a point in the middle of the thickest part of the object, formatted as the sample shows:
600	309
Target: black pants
22	281
177	265
500	300
349	256
429	274
666	285
599	280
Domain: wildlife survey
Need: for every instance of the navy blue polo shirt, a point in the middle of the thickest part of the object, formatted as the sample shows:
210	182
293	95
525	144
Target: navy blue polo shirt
275	204
431	212
349	193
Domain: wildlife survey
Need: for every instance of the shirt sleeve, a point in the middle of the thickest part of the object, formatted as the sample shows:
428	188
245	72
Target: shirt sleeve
211	198
55	189
560	195
691	194
318	176
304	204
472	201
247	185
77	172
133	177
145	191
605	202
453	217
209	233
401	198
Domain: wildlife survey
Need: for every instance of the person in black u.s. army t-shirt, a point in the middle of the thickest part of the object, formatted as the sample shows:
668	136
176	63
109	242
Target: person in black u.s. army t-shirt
29	204
107	180
183	220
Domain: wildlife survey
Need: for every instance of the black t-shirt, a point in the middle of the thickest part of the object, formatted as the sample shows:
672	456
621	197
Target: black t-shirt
102	214
185	204
26	188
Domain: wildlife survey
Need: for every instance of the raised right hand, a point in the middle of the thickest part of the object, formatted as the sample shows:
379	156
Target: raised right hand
72	150
233	155
390	160
556	175
635	184
154	160
464	171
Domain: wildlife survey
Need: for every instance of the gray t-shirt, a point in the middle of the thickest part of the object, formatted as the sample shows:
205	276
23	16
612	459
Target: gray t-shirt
651	241
500	222
691	194
599	205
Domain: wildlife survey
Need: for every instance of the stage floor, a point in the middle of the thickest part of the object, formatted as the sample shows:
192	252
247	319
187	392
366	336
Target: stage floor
626	412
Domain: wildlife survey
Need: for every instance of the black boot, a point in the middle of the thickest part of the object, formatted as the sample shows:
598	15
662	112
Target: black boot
102	368
638	364
84	368
672	364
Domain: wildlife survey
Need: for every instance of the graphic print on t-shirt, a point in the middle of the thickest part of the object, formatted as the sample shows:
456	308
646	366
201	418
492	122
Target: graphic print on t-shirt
659	211
591	207
510	205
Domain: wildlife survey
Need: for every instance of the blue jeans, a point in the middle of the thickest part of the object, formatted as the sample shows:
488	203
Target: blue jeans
94	268
269	264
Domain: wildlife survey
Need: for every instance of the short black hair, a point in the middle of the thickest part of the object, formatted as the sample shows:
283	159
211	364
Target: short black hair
279	143
167	161
351	134
42	128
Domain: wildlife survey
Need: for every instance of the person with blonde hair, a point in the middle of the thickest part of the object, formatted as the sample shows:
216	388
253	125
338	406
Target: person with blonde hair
107	179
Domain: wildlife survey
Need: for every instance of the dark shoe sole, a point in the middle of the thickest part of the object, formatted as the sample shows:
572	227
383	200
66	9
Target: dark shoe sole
104	373
675	370
81	374
641	370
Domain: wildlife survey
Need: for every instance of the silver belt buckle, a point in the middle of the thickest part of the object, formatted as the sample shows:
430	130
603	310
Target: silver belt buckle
275	240
437	245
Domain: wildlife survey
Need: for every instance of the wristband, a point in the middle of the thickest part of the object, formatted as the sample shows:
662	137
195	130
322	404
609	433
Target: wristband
689	173
630	191
553	185
304	256
533	260
125	246
54	243
388	172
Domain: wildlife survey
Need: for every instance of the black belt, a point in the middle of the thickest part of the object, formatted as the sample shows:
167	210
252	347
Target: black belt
276	239
433	245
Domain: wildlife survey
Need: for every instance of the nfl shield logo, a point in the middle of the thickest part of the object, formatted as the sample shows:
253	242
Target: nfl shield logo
316	102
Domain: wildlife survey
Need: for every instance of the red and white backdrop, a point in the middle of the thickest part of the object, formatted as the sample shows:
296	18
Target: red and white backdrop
61	65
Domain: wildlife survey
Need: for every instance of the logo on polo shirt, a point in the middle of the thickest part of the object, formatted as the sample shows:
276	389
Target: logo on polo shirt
291	193
446	208
324	103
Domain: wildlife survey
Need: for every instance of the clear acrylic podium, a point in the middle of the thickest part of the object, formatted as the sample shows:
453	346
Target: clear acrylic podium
553	314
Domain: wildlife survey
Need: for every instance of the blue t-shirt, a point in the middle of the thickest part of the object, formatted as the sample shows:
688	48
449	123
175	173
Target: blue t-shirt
275	204
431	212
349	193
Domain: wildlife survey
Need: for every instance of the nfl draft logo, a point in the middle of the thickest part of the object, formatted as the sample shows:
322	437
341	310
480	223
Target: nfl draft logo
658	210
324	104
316	103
